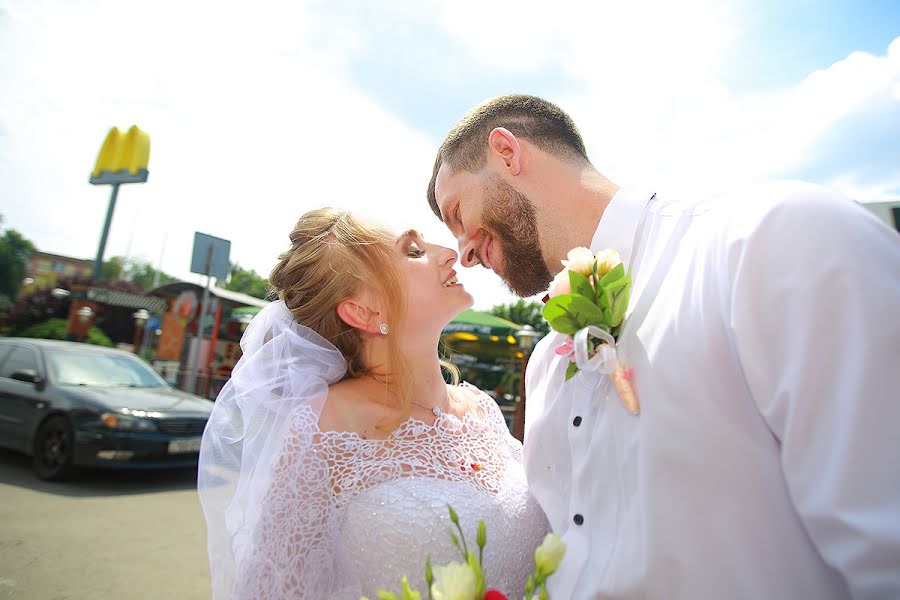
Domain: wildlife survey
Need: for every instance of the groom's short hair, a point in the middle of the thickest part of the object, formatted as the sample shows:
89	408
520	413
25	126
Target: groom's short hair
535	119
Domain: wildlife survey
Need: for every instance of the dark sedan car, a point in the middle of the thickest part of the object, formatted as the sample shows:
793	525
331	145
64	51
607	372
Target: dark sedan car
69	404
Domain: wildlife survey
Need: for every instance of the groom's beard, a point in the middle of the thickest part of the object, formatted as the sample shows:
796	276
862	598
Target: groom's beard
510	217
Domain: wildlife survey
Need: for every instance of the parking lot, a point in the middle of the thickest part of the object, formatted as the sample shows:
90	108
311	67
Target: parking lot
106	534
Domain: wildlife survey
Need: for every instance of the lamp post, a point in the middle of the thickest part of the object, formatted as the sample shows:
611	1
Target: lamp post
527	338
84	314
140	317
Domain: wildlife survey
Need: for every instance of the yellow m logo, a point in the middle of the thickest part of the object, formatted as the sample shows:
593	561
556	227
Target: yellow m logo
123	157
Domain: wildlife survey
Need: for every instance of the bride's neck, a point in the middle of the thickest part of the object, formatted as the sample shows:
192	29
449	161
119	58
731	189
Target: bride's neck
422	368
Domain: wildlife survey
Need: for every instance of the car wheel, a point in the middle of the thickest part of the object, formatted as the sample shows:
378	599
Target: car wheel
54	449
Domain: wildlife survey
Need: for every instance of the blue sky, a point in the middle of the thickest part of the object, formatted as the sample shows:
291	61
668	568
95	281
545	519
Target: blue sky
261	111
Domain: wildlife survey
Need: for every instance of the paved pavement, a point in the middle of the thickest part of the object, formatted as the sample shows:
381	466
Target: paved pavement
107	534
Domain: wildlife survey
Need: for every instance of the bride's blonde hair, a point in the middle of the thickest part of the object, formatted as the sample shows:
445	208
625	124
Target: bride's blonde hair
333	257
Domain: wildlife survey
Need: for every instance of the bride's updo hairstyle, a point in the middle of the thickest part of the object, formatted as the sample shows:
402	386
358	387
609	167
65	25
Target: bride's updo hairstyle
333	257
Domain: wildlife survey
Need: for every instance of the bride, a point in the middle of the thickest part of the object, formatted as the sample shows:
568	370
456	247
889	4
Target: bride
331	455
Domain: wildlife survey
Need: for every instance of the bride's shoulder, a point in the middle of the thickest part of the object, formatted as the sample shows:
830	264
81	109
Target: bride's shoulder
468	392
348	408
475	398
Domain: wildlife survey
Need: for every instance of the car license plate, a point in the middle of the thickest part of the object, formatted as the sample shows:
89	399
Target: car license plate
184	446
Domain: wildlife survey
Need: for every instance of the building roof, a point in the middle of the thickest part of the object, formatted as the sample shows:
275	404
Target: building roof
126	299
171	290
41	253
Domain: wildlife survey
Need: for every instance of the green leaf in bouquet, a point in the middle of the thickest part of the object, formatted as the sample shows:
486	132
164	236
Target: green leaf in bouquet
409	593
429	576
456	543
479	574
557	314
580	285
617	273
604	300
571	370
621	291
584	311
386	595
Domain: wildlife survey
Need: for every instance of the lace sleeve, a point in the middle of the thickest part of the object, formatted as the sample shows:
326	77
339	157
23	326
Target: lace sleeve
291	553
264	487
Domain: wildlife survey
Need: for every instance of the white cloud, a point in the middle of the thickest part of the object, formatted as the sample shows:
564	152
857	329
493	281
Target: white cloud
255	115
250	127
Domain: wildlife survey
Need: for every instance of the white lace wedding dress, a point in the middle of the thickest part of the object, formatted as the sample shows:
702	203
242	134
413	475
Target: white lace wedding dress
381	509
296	513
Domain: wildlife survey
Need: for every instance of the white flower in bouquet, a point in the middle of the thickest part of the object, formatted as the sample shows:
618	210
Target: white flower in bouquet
549	554
455	581
580	260
560	284
607	260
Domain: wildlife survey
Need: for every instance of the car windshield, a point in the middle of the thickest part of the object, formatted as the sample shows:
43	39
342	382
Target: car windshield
103	370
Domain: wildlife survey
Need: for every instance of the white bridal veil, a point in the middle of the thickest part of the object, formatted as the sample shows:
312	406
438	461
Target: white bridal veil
265	494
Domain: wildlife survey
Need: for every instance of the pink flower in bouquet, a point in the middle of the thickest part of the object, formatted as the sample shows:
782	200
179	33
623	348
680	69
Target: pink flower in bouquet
567	348
494	595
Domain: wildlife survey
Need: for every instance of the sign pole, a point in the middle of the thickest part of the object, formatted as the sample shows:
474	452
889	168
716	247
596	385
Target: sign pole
98	263
195	359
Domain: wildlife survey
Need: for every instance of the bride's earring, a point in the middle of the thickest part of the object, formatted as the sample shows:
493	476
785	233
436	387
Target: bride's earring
383	328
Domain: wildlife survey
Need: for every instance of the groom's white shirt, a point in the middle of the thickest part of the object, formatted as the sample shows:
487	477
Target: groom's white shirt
765	462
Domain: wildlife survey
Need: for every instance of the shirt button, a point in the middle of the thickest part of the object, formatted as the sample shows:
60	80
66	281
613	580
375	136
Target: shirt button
577	421
578	519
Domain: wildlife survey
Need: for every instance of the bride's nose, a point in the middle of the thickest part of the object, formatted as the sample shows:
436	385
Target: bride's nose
448	257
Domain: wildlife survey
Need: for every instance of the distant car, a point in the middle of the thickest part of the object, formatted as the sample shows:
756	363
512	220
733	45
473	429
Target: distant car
69	405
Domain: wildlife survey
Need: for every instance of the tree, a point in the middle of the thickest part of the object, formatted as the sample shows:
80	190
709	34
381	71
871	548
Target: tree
247	281
15	250
135	270
524	313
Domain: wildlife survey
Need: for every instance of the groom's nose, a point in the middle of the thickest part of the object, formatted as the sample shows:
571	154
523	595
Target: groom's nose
468	257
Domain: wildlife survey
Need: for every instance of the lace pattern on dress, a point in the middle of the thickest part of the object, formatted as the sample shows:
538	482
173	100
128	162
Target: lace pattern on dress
295	551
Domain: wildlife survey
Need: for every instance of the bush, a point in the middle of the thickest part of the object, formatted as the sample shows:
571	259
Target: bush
55	329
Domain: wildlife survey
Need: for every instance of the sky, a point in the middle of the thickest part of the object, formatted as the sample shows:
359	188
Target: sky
260	111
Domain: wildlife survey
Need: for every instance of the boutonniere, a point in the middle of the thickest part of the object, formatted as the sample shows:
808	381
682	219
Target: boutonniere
588	300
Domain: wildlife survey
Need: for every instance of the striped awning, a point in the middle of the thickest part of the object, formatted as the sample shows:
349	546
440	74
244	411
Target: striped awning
126	299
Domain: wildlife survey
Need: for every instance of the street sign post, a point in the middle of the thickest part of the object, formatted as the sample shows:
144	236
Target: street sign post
209	257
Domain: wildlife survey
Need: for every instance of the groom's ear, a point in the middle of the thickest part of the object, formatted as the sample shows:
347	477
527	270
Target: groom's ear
503	145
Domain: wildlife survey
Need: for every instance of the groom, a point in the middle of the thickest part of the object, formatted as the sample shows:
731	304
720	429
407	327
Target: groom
764	342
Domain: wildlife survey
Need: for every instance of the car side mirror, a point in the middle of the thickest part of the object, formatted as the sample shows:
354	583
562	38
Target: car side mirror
29	376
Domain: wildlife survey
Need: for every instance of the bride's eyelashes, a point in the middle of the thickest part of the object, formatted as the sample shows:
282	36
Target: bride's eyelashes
414	251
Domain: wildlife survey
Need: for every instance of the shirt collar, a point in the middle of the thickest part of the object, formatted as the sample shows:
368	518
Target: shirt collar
619	222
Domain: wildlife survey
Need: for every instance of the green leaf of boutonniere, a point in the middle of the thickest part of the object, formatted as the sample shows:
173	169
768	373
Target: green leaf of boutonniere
570	312
580	285
620	292
571	370
557	314
585	311
616	274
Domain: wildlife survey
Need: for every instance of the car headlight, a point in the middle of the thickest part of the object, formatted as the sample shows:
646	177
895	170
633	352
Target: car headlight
124	422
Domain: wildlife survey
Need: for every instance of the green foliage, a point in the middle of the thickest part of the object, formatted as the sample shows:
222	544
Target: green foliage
55	329
524	313
247	281
136	270
14	252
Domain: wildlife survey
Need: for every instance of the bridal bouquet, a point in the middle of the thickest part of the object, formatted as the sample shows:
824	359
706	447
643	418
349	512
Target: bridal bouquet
588	301
466	581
